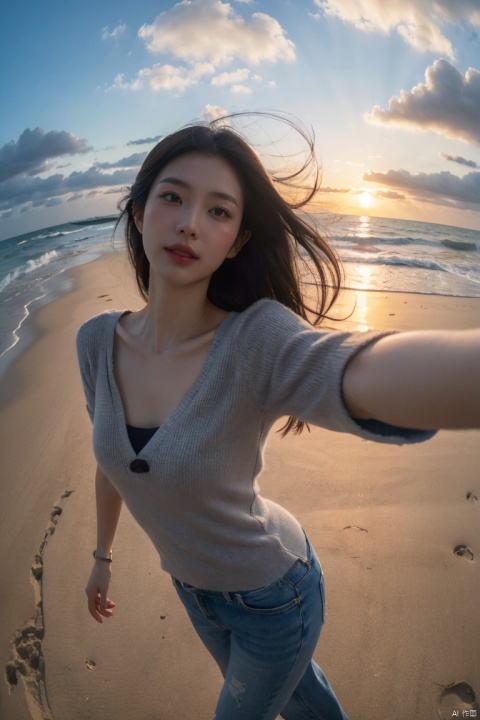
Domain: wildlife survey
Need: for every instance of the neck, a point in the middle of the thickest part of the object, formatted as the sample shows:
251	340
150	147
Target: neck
173	315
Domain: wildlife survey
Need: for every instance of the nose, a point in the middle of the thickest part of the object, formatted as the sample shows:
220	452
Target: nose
189	222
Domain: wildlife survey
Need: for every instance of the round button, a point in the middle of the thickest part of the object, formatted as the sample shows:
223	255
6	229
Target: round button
139	466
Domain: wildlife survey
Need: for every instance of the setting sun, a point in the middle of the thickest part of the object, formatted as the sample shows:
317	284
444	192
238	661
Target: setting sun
365	200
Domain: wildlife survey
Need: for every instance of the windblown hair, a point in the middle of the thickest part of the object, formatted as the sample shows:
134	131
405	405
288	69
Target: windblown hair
267	266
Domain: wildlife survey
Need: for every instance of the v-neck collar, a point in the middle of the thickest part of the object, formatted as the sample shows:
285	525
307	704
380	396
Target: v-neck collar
117	402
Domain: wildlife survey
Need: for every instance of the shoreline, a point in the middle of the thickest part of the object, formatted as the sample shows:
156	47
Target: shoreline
58	285
401	624
26	332
408	292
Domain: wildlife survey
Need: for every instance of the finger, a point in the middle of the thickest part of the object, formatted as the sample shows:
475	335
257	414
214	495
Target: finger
107	610
92	608
105	613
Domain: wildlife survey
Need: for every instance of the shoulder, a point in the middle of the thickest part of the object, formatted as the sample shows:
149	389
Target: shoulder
268	319
94	331
268	310
265	329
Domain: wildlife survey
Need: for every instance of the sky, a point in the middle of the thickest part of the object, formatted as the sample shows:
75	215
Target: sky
391	91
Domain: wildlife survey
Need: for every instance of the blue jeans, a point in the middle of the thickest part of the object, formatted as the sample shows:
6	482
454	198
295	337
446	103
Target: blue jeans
263	641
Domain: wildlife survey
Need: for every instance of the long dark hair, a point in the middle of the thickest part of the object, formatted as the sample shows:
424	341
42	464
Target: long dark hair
269	264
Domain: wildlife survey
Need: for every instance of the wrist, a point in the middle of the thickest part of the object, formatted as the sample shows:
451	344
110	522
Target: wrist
103	557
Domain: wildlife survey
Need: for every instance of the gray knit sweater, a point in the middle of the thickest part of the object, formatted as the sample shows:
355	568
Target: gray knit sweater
199	501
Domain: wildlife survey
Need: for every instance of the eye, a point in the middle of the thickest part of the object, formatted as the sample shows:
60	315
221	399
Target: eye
171	197
220	212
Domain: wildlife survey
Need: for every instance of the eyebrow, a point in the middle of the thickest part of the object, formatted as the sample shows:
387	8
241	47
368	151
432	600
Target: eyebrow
214	193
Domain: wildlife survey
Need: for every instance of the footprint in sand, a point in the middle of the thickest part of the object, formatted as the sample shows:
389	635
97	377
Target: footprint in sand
463	551
355	527
26	654
472	497
456	699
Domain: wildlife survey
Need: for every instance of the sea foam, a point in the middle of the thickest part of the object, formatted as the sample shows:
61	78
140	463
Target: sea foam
28	267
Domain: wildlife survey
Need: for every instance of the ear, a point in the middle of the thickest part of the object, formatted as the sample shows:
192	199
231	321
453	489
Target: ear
239	243
138	219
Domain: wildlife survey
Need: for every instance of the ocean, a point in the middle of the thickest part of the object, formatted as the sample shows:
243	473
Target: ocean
405	256
32	273
378	254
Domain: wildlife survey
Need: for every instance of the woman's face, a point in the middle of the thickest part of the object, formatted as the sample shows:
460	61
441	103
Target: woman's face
191	219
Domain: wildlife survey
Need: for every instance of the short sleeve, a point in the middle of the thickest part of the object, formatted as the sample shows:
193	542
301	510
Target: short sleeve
292	368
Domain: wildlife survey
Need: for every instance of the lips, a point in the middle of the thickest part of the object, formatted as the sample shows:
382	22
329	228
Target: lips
182	251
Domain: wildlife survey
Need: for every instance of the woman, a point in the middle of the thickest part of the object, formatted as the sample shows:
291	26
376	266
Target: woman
183	393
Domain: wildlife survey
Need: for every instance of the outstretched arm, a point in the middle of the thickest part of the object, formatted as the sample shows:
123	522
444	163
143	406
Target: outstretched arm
421	380
109	505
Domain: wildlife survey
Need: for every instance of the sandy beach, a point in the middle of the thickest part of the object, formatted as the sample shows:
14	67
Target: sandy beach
402	634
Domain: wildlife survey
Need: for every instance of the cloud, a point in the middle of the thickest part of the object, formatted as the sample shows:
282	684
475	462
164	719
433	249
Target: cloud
19	190
460	160
205	34
132	161
165	77
212	112
119	83
241	90
145	141
448	103
198	69
115	33
388	195
418	22
236	78
33	148
385	194
333	190
210	30
226	78
461	192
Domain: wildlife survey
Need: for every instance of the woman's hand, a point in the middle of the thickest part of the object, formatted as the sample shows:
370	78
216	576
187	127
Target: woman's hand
99	605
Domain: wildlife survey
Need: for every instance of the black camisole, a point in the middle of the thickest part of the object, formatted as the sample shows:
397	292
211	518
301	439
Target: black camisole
139	437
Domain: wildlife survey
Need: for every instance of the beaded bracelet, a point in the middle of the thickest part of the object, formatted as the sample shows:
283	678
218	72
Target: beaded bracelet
100	557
